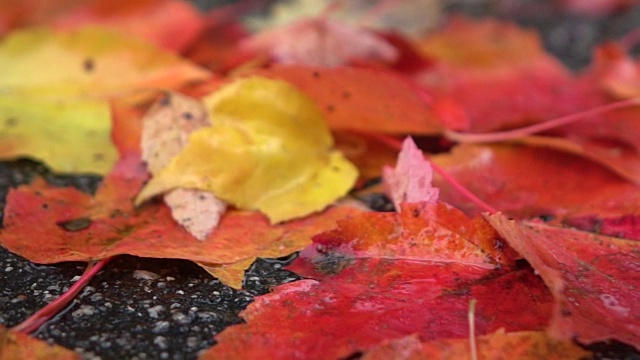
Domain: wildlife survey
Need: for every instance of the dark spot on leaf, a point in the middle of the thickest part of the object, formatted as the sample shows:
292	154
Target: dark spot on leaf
10	122
187	115
45	206
546	217
565	312
165	100
331	264
331	108
415	213
202	197
116	213
88	65
98	157
346	95
75	224
316	74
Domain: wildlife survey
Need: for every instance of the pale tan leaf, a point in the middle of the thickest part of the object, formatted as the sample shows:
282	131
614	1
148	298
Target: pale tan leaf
197	211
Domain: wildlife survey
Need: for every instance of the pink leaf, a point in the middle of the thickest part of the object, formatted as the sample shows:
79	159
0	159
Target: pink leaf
410	181
321	42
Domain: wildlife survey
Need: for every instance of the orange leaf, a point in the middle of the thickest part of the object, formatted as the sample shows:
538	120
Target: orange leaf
78	227
353	98
18	346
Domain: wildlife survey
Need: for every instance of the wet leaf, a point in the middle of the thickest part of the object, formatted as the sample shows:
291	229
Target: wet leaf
410	180
527	182
626	226
69	105
365	151
406	17
621	158
592	278
118	228
420	231
526	345
52	131
143	19
18	346
319	41
272	152
165	132
352	99
372	288
88	61
498	72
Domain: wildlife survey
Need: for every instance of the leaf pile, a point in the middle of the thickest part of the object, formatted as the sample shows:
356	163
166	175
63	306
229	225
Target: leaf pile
264	144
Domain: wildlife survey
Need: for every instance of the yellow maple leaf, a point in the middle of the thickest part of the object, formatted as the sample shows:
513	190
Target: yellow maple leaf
268	149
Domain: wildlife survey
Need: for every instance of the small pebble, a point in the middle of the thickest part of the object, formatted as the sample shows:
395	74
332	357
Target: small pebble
84	310
161	326
153	311
161	342
145	275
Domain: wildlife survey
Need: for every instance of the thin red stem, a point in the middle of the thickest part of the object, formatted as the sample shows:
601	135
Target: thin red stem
536	128
43	315
397	145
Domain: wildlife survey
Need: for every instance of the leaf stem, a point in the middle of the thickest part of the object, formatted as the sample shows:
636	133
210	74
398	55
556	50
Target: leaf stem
472	329
43	315
397	145
536	128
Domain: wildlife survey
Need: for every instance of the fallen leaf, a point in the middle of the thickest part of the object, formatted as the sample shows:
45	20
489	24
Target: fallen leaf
499	73
421	232
231	275
18	346
53	131
319	41
615	70
88	61
365	151
526	182
592	278
406	17
199	212
525	345
146	20
272	151
626	226
70	104
166	128
352	99
165	132
373	286
621	158
358	309
79	227
410	180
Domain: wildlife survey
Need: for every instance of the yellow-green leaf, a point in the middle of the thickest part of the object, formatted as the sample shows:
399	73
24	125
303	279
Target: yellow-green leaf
88	61
268	148
70	136
55	89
